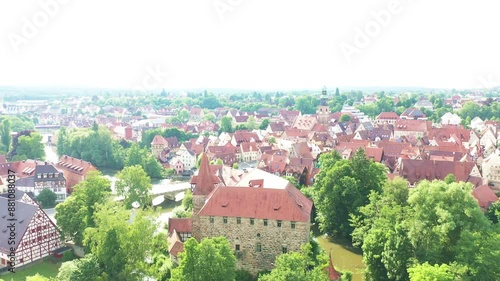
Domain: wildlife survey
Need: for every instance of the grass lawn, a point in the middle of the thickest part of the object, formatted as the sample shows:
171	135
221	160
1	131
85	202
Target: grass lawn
45	268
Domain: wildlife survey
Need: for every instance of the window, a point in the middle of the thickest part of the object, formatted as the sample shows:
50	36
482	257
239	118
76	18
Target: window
224	220
238	220
259	247
292	224
278	223
284	249
252	221
211	219
237	247
265	222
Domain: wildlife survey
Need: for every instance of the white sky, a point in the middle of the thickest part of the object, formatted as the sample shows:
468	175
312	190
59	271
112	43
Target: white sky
258	44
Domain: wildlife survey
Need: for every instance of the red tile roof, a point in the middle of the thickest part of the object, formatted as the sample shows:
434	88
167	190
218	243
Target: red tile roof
412	125
175	245
179	225
259	202
484	196
388	115
208	180
333	274
159	140
417	170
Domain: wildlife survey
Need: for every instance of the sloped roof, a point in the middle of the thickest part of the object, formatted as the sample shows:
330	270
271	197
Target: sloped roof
484	196
388	115
259	202
157	140
175	245
24	214
416	170
180	225
205	180
74	165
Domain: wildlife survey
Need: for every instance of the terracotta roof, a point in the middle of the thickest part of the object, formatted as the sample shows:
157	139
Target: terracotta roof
205	180
446	132
179	225
175	245
248	146
388	115
484	196
277	126
74	165
333	274
417	170
412	125
159	140
259	202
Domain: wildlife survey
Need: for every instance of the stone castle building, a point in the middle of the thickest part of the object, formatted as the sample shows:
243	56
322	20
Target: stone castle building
262	216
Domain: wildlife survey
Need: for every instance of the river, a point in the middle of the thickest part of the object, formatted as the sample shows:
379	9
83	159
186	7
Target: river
344	257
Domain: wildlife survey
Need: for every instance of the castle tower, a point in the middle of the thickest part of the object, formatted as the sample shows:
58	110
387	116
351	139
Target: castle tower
203	184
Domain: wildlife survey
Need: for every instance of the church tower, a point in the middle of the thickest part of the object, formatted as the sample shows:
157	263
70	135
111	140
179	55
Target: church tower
323	111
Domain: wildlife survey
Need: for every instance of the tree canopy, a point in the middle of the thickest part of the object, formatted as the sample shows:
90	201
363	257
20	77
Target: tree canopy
436	229
76	213
211	260
122	240
135	185
47	198
341	187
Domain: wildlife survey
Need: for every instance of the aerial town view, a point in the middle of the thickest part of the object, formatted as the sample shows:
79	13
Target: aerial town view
232	140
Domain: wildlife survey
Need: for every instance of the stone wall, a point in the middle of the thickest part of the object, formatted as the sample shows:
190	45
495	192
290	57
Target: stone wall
271	237
198	202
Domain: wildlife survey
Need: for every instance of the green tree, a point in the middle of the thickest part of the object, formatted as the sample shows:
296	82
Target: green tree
345	118
236	166
450	178
438	223
135	185
343	186
87	269
296	266
61	140
136	155
380	230
251	123
187	201
31	146
263	125
5	135
66	270
76	213
119	244
226	124
493	212
427	272
47	198
210	260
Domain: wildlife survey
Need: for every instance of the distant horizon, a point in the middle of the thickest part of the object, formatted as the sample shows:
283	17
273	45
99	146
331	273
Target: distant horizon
245	90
